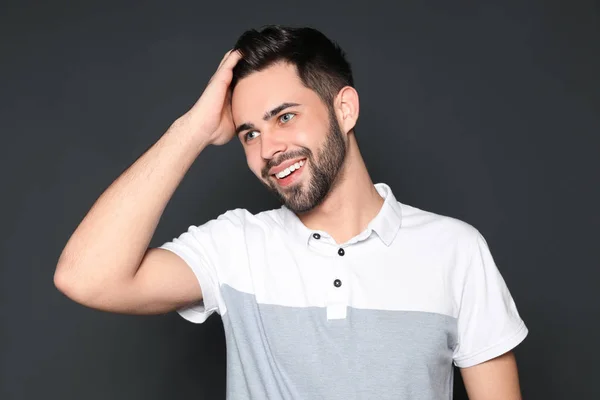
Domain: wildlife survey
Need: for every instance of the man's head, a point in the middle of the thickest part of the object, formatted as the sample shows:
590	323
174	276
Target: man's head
293	102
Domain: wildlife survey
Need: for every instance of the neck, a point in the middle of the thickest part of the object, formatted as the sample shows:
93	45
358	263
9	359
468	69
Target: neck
352	202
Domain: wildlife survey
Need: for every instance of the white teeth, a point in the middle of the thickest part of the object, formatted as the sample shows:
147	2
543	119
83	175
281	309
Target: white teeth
289	170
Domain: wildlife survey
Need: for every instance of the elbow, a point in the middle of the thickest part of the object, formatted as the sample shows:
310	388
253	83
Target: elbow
66	284
88	290
63	273
72	286
61	281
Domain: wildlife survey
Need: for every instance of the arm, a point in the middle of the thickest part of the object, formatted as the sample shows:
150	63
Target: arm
106	263
496	379
100	263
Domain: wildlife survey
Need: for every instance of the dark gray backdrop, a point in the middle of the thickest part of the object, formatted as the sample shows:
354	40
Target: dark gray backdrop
487	113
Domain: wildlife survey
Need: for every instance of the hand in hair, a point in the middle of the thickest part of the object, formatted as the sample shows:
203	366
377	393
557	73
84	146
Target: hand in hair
211	114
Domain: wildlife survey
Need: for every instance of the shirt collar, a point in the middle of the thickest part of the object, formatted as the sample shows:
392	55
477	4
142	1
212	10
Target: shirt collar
389	219
385	224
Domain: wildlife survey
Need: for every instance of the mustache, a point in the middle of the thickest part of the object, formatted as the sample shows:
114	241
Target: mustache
305	153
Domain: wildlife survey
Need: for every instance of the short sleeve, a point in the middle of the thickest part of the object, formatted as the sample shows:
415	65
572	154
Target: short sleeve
207	251
489	324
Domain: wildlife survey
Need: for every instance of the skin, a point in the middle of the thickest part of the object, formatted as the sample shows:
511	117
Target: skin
347	206
496	379
324	164
335	192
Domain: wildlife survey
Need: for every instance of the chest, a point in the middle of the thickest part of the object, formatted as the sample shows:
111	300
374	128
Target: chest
375	278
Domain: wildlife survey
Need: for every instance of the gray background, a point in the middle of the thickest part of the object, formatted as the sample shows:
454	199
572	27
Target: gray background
485	112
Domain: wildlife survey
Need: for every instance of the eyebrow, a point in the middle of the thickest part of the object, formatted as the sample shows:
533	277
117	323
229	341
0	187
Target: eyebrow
267	116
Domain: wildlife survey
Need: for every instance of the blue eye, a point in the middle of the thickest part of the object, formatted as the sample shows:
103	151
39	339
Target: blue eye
284	120
246	136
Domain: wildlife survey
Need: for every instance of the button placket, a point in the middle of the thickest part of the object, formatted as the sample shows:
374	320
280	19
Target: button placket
338	294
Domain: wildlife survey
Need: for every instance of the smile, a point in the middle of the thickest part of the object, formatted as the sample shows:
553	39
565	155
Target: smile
290	169
291	174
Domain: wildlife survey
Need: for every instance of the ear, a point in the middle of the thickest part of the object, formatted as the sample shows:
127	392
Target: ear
346	107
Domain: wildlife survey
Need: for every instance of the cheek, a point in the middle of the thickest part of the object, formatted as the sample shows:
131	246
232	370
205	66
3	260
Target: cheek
303	137
307	134
312	138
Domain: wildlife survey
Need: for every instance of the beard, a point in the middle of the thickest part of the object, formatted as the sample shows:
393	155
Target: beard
324	170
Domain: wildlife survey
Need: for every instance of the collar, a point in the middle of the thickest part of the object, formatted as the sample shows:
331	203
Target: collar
385	224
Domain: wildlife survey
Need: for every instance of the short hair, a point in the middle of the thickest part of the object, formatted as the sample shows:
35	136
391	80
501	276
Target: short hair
321	63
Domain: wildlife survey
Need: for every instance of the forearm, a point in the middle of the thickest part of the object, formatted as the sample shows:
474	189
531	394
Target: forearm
108	245
496	379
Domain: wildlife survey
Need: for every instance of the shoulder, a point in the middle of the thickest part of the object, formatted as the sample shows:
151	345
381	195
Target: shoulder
231	227
438	227
243	219
416	218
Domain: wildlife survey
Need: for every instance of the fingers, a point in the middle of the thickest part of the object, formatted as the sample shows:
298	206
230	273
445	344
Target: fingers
230	59
224	58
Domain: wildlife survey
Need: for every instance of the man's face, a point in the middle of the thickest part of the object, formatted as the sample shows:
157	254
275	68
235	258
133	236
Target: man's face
292	140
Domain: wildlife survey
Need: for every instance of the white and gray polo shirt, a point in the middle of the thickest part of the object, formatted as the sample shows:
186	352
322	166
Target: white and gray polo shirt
383	316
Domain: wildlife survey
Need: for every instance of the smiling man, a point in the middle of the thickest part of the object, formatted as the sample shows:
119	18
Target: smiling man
292	130
343	292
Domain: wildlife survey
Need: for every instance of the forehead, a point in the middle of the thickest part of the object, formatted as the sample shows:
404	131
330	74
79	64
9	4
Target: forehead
263	90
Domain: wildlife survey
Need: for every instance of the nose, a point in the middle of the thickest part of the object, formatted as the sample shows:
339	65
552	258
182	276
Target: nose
270	144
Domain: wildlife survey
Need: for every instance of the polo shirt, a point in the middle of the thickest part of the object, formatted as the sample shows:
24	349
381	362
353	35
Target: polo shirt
385	315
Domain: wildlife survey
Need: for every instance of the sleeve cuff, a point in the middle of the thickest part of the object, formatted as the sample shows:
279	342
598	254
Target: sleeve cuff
198	312
494	350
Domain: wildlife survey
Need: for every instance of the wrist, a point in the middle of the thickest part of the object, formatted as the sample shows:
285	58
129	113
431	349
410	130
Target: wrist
190	132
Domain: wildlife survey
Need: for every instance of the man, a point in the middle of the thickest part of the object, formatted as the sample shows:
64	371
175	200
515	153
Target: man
341	293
